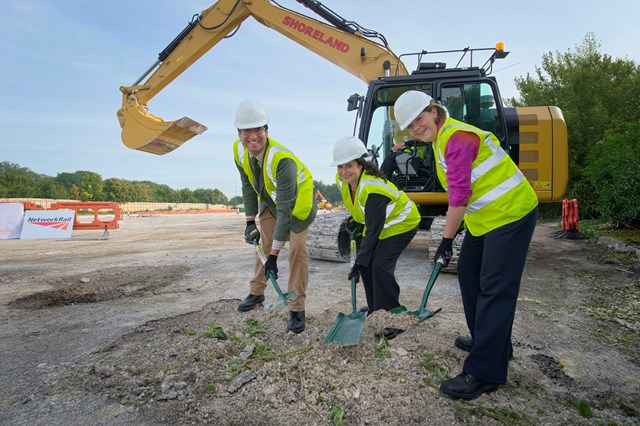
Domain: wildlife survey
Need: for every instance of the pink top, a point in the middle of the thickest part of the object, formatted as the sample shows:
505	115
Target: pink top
461	151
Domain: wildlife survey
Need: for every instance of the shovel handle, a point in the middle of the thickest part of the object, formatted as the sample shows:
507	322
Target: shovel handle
353	294
263	259
261	255
352	250
432	279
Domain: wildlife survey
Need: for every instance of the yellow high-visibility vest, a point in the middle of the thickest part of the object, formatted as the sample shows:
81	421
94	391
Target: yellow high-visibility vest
402	214
272	156
500	192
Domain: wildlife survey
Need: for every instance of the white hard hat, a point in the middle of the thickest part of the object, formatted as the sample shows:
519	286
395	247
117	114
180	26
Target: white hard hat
250	114
410	104
346	149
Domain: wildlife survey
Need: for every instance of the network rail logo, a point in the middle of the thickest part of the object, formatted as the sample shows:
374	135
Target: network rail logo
52	222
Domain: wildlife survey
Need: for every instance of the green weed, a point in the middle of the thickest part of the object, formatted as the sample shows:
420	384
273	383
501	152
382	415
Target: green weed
337	415
382	347
215	331
433	367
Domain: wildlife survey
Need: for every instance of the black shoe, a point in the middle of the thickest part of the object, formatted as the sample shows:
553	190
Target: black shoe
250	302
389	333
465	386
364	309
296	322
464	342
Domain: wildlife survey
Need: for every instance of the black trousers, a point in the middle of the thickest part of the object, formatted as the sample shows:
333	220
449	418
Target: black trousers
489	271
379	279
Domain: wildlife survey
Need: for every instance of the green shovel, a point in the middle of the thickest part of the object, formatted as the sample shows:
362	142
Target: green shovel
347	329
282	297
422	313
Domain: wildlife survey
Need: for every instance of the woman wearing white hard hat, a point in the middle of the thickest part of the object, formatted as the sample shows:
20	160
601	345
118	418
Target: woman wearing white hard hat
391	221
499	208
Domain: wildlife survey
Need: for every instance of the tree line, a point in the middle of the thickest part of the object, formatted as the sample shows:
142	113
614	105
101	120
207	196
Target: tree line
21	182
600	99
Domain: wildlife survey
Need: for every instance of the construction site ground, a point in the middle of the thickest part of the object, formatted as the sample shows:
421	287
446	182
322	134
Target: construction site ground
142	329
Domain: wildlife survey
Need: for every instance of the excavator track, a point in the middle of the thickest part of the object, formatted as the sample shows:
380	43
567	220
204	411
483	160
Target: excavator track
327	239
435	236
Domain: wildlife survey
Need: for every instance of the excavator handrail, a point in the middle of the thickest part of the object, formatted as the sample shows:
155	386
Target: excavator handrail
342	43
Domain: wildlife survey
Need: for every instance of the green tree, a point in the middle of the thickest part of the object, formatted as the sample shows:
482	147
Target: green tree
160	193
185	195
594	92
49	188
235	201
91	187
210	196
17	182
88	184
118	190
141	192
74	192
613	170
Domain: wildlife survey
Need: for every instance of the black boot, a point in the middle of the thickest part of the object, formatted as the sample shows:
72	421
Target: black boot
389	333
465	386
250	302
296	321
464	342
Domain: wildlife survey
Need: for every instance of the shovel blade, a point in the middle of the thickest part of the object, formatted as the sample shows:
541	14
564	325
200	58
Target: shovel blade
145	132
280	303
398	310
347	329
423	314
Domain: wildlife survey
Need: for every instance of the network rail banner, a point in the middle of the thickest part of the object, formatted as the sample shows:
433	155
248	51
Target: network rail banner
11	215
47	224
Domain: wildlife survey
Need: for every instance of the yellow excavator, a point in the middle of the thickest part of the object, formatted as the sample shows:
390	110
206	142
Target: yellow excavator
535	137
322	201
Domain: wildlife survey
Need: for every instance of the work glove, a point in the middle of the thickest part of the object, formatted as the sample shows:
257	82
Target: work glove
445	251
251	232
271	265
355	272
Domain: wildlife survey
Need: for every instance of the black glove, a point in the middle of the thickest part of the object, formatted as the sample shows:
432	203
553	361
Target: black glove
445	251
251	232
271	265
355	272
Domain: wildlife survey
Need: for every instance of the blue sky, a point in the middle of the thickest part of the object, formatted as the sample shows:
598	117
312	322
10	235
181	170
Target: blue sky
62	63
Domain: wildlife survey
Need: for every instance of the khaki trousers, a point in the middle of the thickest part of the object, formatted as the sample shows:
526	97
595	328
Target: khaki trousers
298	262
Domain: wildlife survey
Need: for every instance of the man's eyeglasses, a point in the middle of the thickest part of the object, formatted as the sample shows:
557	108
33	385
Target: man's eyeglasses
247	132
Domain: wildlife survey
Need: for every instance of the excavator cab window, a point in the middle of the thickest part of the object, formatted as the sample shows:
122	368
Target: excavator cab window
414	165
473	103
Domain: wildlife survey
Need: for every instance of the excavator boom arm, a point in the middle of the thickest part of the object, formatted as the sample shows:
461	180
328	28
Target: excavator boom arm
346	47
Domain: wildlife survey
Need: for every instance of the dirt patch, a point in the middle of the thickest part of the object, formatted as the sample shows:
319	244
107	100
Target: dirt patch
101	286
142	329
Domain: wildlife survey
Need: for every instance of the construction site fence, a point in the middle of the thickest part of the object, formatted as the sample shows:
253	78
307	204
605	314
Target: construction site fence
45	204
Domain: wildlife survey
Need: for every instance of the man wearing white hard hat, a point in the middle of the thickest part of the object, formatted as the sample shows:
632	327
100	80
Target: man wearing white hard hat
277	189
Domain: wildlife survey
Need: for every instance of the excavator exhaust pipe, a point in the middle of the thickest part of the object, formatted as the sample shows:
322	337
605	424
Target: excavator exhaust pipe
146	132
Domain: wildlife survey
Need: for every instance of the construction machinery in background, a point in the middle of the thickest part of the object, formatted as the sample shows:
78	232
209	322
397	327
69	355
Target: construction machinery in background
322	201
534	137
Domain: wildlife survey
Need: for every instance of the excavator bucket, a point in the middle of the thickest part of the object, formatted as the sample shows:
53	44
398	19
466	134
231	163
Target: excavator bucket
146	132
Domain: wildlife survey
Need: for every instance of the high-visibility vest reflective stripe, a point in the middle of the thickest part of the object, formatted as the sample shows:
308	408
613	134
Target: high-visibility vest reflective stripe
272	156
401	214
500	192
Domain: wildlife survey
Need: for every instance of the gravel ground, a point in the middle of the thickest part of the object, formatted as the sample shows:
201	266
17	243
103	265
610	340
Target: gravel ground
142	329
